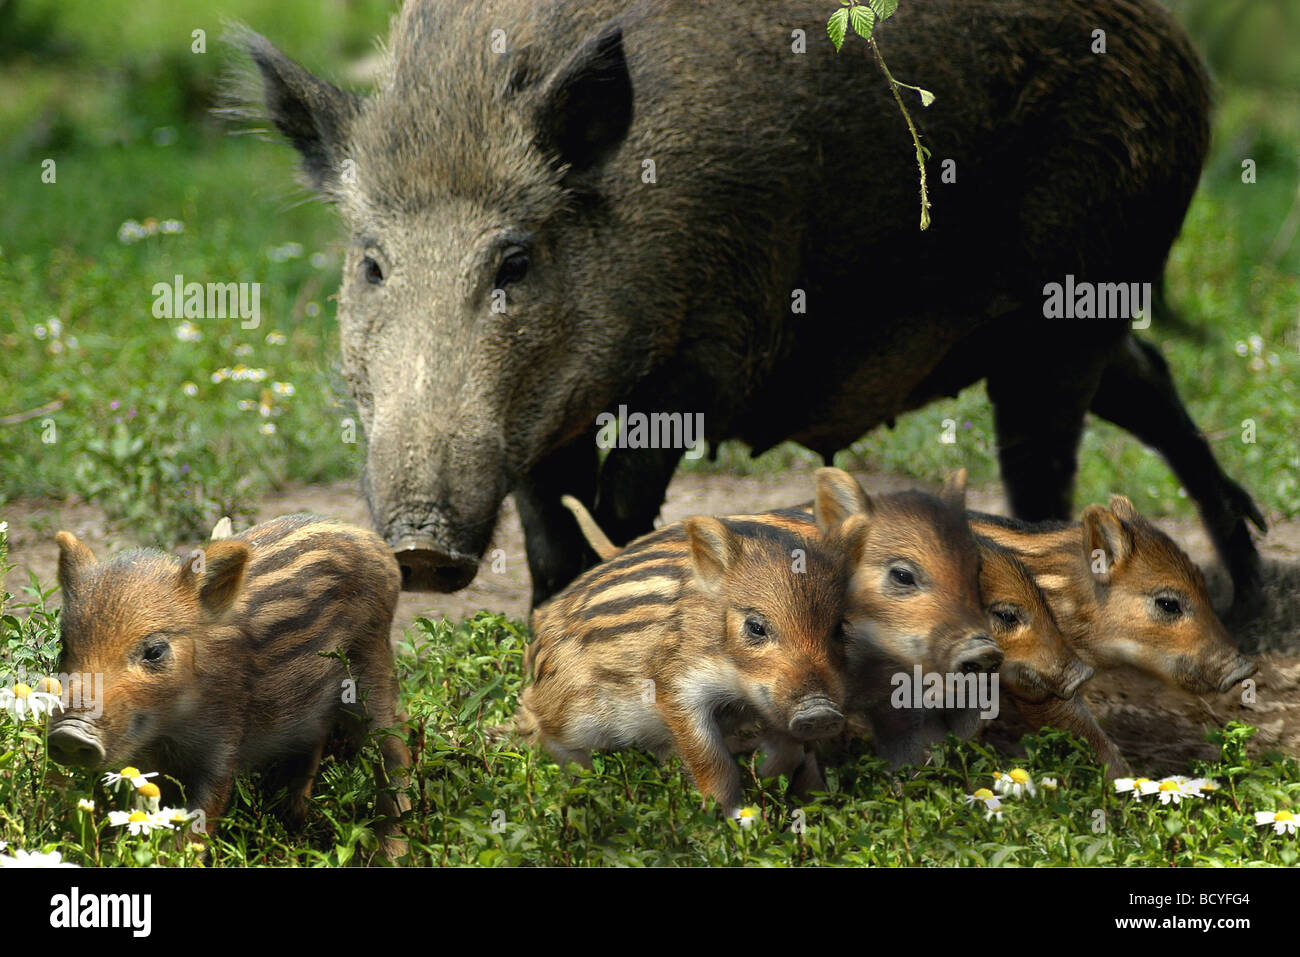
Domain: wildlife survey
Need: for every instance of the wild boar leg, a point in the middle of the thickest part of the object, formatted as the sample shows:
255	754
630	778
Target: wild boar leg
1138	394
633	485
557	552
1038	409
1073	716
703	750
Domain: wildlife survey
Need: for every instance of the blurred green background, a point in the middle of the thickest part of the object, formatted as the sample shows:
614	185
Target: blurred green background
113	93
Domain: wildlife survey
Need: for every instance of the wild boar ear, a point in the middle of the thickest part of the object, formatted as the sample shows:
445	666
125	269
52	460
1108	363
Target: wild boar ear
714	548
1107	544
586	110
311	113
217	574
954	490
838	497
74	555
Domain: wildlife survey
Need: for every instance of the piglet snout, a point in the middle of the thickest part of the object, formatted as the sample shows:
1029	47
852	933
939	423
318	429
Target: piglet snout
74	745
816	717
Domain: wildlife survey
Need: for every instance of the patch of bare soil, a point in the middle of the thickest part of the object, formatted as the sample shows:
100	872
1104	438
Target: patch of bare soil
1157	728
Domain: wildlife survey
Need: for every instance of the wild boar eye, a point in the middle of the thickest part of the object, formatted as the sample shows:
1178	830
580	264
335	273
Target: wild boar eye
755	627
513	268
371	272
1170	606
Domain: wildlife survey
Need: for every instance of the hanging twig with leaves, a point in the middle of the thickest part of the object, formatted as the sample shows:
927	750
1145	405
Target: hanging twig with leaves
861	16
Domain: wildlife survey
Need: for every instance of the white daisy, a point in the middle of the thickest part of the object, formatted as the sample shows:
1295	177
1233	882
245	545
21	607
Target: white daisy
1173	788
1132	786
136	822
21	701
128	773
147	796
1015	783
992	806
35	859
85	804
1282	821
746	816
1050	784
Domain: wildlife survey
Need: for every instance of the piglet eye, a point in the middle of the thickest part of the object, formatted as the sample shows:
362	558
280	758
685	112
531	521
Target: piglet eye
755	628
156	652
1006	616
901	576
1169	606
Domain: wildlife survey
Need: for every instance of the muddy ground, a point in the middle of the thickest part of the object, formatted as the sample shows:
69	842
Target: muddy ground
1158	729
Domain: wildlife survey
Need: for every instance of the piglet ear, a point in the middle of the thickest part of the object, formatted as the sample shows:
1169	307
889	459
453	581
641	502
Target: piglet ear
714	549
1123	509
852	536
838	497
954	490
216	575
1107	544
74	555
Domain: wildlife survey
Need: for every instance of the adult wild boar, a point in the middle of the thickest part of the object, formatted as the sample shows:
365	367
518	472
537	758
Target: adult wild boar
560	207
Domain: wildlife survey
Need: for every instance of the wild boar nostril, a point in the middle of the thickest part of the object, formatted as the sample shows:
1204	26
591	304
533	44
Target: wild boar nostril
425	567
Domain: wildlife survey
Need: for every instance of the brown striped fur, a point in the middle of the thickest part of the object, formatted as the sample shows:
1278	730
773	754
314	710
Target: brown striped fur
937	623
1037	662
213	665
1125	596
656	646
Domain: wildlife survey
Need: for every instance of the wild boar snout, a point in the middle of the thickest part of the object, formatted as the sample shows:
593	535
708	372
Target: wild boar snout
428	566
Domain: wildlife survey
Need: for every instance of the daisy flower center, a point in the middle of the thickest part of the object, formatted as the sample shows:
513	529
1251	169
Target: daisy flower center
1284	816
22	690
137	816
1020	776
983	794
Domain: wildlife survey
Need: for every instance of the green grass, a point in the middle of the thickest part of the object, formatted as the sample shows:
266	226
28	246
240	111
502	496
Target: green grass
478	801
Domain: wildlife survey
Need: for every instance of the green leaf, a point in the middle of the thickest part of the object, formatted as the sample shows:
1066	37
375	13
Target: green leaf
863	20
837	26
884	8
926	97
